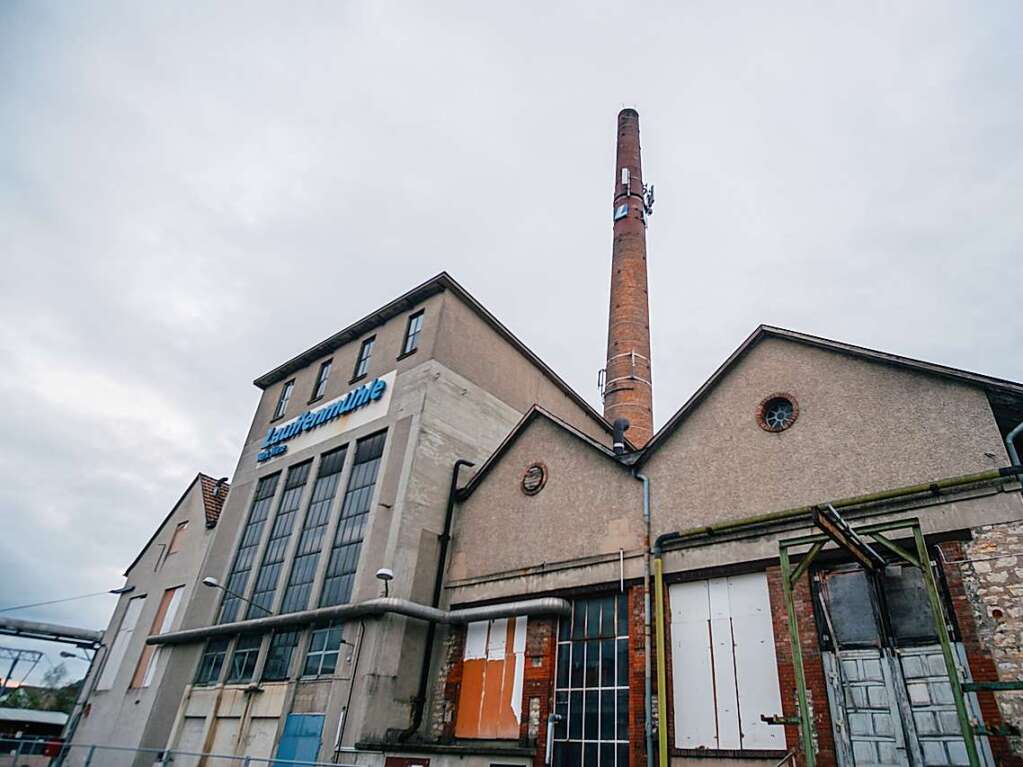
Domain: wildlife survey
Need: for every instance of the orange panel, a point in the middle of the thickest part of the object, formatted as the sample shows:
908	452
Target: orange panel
485	706
467	725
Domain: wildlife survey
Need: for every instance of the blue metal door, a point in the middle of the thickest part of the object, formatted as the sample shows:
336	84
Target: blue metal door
301	739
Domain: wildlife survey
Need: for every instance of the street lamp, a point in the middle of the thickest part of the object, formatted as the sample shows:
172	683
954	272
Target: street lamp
213	583
385	574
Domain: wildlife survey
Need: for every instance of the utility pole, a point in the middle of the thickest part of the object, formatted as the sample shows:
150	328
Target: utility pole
15	655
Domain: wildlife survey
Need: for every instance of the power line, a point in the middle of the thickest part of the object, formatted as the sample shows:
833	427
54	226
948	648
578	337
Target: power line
51	602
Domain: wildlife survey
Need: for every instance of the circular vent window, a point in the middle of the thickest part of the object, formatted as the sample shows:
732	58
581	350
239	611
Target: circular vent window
777	413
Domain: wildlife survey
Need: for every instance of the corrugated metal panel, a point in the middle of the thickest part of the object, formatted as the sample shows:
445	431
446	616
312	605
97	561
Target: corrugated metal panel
725	672
756	663
493	666
692	669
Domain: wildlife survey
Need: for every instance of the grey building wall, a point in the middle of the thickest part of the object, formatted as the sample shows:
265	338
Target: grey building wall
141	717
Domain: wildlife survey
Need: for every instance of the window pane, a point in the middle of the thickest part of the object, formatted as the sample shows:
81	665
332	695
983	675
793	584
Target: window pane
591	712
607	663
851	608
909	608
622	715
575	716
563	665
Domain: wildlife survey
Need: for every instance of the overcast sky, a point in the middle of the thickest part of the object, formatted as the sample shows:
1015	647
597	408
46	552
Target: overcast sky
189	196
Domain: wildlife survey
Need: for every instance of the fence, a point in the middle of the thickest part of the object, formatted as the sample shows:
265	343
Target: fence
46	752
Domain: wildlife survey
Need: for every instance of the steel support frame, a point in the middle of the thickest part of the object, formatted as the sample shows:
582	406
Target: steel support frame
917	558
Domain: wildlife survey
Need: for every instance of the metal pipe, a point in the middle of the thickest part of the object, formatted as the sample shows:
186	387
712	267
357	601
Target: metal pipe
371	608
648	691
552	719
419	701
1010	443
795	513
51	632
662	673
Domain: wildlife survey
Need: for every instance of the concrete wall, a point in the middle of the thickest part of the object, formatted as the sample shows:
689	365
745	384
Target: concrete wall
588	507
862	427
142	717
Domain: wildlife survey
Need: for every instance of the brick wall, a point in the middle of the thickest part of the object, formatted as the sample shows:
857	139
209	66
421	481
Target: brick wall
538	683
637	680
813	667
448	684
987	597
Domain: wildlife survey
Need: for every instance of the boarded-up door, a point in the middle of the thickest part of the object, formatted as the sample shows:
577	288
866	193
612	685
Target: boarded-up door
301	739
490	701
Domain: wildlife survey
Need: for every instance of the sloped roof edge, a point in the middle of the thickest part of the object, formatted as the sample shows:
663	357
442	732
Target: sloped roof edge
200	478
403	303
531	415
988	383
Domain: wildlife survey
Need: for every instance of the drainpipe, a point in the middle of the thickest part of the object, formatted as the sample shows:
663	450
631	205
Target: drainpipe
1010	440
419	702
647	678
552	721
662	673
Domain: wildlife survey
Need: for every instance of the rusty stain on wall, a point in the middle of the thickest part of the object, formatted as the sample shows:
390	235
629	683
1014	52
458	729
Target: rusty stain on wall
490	701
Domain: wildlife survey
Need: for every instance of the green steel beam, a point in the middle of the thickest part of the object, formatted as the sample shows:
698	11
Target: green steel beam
991	686
806	561
895	549
878	527
805	720
965	726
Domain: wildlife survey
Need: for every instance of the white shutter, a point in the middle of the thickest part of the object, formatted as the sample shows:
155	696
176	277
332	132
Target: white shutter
163	628
120	646
724	669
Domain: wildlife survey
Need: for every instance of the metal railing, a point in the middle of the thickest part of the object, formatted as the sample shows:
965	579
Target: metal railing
46	752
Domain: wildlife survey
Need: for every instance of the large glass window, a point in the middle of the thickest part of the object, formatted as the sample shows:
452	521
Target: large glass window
310	543
282	403
415	327
591	690
344	555
278	657
273	558
238	580
365	352
321	380
243	660
324	647
212	662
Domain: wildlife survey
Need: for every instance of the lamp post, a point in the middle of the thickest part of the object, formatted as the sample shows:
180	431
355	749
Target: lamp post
213	583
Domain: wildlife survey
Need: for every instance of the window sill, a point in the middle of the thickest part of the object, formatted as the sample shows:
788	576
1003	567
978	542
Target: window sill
314	399
277	418
403	355
356	379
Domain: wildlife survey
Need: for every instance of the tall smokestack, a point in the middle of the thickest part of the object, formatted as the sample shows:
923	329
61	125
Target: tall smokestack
628	390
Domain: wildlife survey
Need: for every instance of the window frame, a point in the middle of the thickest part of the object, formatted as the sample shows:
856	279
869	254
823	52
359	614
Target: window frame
296	635
323	652
320	384
198	680
175	542
250	658
119	647
361	369
283	400
412	336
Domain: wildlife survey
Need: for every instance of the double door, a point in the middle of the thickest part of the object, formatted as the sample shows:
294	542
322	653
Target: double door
889	693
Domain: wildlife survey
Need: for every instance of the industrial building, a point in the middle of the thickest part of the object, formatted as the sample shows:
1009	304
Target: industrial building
433	550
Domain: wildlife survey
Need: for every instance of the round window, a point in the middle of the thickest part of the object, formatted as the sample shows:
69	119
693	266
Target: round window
534	478
777	413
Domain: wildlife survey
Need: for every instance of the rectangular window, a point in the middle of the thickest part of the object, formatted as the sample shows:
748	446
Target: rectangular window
344	555
321	380
238	580
212	662
243	659
273	558
493	665
120	645
278	658
162	622
310	543
282	403
362	363
415	326
723	664
324	647
175	542
591	684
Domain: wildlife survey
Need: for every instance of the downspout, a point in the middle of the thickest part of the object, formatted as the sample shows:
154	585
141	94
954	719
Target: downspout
662	672
647	677
419	702
1010	444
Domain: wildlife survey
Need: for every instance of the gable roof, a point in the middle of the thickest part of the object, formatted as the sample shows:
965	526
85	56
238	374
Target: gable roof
212	506
996	388
404	303
533	414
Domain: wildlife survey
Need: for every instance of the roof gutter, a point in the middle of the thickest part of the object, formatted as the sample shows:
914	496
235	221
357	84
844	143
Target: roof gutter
371	608
694	535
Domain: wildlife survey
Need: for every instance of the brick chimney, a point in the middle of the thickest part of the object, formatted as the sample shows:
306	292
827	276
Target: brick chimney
627	388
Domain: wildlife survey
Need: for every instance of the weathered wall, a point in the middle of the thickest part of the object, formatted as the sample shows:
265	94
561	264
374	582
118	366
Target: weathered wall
590	505
471	347
862	427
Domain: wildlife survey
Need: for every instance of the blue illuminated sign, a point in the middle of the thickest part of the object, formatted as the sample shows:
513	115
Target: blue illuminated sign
355	399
